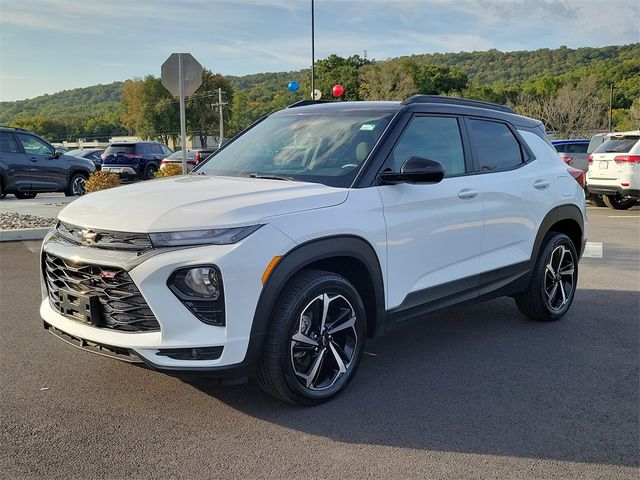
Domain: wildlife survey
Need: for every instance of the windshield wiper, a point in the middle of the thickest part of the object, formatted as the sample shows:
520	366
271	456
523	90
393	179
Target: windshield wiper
271	177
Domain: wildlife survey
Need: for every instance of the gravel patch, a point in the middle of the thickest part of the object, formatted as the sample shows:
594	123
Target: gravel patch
13	221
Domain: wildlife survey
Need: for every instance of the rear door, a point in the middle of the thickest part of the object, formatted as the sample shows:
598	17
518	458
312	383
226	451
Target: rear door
14	163
434	231
517	192
48	171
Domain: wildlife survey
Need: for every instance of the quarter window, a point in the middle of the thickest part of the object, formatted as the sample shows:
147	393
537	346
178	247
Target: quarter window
435	138
33	145
495	147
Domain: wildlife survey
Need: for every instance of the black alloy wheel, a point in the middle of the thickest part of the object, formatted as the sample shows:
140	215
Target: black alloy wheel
553	282
315	340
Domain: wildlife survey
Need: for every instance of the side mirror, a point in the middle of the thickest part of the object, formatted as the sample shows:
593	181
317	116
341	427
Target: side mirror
414	170
55	154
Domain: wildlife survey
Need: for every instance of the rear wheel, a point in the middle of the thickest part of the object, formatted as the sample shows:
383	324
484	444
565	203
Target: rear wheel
315	340
618	202
553	282
596	200
25	195
150	172
3	192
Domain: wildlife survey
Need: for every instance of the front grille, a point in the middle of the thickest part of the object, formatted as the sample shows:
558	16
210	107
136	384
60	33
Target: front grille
120	304
137	242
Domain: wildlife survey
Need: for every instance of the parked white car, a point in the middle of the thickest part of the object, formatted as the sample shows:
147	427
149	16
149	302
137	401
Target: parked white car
614	170
320	226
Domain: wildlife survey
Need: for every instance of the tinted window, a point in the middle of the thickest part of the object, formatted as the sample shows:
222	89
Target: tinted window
178	155
494	145
577	148
561	148
435	138
120	148
617	145
156	148
166	150
33	145
595	142
143	148
8	143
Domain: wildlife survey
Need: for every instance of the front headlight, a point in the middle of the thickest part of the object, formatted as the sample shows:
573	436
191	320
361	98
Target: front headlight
217	236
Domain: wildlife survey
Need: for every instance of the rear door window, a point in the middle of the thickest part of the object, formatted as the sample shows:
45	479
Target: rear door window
494	145
8	143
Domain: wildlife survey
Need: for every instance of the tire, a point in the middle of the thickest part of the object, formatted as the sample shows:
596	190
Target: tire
301	364
596	200
149	172
557	264
76	185
618	202
3	192
25	195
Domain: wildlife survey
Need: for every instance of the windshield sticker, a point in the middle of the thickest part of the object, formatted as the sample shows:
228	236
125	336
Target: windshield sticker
368	126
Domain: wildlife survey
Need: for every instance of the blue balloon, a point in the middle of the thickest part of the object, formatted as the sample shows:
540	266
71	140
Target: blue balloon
293	86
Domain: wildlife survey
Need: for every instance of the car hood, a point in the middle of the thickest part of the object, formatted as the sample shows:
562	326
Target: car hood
196	202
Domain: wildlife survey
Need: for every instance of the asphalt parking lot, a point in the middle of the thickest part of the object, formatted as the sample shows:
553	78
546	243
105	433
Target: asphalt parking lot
478	392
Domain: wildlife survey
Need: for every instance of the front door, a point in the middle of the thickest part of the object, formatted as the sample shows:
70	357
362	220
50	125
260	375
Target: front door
434	231
48	171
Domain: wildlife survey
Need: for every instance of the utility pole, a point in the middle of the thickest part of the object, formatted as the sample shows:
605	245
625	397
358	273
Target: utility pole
610	106
220	107
313	55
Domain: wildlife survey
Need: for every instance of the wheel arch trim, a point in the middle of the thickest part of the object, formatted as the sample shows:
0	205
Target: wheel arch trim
558	214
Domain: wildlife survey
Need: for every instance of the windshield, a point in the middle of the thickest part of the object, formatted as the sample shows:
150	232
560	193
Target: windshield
324	148
617	145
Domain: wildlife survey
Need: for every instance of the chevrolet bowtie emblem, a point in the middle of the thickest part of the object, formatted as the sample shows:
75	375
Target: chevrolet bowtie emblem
89	236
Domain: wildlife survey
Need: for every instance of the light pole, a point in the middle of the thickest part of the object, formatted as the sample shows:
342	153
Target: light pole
610	106
313	54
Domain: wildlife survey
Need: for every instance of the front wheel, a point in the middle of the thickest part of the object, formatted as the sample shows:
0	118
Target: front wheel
315	340
76	186
553	282
3	192
25	195
618	202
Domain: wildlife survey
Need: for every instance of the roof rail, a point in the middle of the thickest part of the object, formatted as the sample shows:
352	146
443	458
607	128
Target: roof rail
456	101
302	103
14	128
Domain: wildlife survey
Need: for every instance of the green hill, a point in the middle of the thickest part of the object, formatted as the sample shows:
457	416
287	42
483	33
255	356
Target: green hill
95	110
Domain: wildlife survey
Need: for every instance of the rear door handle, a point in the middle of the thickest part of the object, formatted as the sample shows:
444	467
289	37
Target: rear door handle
467	193
33	159
541	184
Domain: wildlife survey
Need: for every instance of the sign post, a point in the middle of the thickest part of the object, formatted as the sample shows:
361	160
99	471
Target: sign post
181	74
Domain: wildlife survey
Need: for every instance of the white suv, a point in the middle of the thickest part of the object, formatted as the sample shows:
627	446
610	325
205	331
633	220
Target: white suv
321	225
614	170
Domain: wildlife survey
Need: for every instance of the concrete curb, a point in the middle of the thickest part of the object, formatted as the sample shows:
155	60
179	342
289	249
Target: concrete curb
23	234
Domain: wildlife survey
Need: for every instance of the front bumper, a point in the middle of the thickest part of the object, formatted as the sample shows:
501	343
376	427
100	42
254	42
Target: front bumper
241	266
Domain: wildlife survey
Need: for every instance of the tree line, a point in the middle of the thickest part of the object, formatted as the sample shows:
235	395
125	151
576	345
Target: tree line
568	89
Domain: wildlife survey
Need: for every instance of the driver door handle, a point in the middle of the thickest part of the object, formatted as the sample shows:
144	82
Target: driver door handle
467	193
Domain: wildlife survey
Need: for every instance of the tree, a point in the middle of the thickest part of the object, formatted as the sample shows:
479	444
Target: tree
202	110
386	81
149	110
574	109
335	70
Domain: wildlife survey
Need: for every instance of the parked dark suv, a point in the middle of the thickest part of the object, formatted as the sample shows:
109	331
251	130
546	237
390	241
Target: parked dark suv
29	165
134	160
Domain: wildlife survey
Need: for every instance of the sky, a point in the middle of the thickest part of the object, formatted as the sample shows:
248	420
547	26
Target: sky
52	45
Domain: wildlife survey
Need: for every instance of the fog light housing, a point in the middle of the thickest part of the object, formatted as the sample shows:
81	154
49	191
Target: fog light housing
200	289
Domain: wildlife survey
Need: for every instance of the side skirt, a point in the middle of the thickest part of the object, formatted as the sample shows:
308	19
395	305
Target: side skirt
496	283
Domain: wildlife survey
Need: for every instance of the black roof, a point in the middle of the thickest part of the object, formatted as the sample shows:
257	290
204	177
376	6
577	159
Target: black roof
418	103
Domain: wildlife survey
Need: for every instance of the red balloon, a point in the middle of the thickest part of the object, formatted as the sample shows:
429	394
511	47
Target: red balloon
337	90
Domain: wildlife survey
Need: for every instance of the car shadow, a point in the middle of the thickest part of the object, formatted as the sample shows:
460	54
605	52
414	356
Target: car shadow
482	379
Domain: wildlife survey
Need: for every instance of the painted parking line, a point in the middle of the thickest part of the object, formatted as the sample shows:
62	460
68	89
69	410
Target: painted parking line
623	216
593	250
